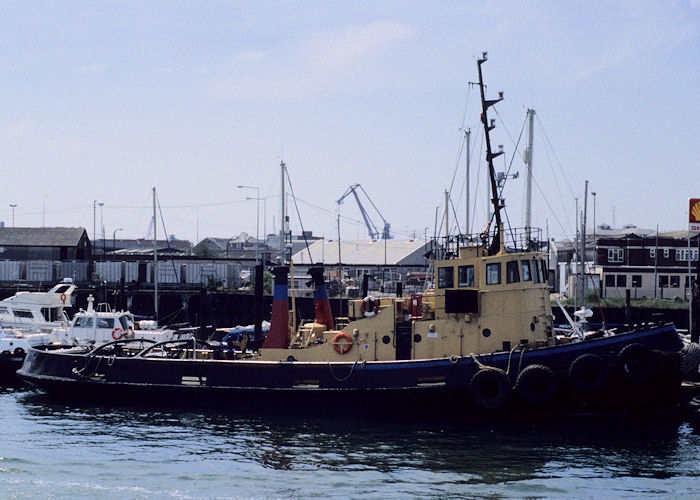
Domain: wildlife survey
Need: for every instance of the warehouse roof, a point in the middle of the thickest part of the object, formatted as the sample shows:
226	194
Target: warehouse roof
41	236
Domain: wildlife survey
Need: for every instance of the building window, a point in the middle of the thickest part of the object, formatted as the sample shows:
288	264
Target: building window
465	275
512	275
667	252
610	280
652	253
682	254
663	281
525	268
675	281
446	277
621	280
493	273
615	254
636	281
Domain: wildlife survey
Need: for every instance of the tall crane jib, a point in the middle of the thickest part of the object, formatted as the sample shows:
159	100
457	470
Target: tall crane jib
372	229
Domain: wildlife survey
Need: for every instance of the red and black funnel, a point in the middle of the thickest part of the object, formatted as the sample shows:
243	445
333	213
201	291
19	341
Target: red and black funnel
322	307
278	335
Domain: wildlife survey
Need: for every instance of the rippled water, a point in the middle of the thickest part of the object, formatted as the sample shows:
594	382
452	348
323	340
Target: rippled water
54	450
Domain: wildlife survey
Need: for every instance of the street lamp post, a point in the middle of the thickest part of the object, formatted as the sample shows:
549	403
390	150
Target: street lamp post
264	200
114	239
257	221
13	205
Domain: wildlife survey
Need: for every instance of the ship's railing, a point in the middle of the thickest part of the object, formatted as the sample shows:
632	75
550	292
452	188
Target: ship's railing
515	240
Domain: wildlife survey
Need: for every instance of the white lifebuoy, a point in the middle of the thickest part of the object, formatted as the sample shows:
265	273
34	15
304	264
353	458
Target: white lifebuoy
370	306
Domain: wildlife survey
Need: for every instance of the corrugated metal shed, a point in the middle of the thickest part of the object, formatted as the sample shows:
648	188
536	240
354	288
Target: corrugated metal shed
41	236
393	252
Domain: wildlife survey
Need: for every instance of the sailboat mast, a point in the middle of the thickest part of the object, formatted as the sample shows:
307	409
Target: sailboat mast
528	181
155	258
490	155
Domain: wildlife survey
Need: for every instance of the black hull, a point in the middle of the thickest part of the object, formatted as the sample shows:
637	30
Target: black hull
418	386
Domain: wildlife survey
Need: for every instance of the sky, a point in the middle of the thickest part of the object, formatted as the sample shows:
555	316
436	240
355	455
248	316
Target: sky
103	101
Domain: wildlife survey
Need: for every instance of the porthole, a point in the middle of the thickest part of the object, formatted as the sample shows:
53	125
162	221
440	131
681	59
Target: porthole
486	332
417	338
386	339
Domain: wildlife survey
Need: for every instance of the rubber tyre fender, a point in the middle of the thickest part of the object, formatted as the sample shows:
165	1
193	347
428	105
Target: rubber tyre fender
690	358
489	388
638	362
536	384
588	373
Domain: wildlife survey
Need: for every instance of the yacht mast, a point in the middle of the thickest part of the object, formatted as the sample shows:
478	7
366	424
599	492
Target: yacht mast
155	258
495	246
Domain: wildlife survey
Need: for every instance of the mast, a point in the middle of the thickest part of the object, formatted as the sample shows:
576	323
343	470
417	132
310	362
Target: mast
583	247
282	207
467	136
495	246
528	181
155	258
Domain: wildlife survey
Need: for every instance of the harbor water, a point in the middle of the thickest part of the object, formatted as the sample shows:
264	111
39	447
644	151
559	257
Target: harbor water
52	449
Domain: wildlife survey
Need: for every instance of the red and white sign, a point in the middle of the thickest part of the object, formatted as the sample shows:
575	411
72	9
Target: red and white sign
694	214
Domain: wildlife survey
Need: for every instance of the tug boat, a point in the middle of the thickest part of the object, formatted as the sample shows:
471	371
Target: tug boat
481	341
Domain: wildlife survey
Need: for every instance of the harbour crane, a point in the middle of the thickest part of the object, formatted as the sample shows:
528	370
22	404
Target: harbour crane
371	227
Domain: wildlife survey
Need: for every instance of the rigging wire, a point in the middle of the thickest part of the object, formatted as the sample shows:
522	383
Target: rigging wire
172	261
296	207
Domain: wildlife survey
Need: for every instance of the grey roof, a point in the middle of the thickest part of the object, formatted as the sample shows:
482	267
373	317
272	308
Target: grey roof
41	236
365	252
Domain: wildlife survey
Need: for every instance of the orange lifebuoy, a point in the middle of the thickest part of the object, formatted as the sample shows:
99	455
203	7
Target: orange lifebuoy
117	333
63	298
342	343
370	306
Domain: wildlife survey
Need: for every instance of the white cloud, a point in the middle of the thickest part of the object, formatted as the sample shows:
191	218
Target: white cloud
320	63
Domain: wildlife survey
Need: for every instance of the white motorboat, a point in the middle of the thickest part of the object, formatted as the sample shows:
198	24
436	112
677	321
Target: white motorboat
38	312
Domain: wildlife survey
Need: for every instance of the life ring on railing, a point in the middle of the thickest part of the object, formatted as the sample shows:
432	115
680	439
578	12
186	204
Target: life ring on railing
489	388
370	306
117	333
342	343
63	298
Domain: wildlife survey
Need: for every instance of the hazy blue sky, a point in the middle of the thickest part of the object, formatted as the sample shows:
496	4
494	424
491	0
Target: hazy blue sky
104	100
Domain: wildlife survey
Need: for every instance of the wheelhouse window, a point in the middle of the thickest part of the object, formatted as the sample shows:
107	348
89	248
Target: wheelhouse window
446	277
525	269
105	322
83	322
636	281
3	310
615	254
23	314
543	270
493	273
465	275
535	271
512	275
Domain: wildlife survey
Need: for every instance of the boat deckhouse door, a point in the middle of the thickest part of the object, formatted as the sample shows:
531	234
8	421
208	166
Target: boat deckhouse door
403	340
